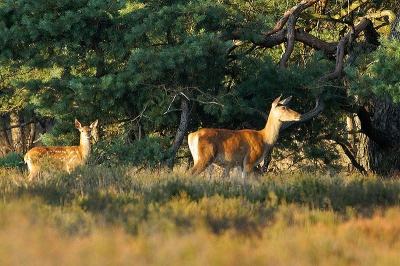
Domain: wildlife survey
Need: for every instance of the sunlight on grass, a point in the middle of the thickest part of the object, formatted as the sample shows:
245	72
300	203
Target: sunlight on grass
107	216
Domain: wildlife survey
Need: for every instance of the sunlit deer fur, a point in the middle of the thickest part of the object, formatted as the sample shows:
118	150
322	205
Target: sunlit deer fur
64	158
238	148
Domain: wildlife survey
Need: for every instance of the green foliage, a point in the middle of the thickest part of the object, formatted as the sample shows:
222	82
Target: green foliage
380	77
11	160
127	60
111	60
149	152
159	46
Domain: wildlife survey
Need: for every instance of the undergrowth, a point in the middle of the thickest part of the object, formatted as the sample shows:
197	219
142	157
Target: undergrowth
123	197
147	205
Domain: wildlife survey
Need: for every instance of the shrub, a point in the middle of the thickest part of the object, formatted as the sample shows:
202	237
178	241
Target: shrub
12	160
147	153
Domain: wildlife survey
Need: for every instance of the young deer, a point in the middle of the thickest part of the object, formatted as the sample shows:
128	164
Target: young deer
239	148
64	158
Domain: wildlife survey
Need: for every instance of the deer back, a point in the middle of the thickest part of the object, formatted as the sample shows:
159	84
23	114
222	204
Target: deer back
226	147
56	157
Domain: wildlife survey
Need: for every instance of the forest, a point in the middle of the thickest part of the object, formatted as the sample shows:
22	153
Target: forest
131	80
153	71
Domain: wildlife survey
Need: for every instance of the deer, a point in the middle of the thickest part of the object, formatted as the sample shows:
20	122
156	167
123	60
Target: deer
245	148
65	158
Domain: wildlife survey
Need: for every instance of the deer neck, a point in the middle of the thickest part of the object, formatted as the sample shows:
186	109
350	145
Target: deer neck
271	130
84	147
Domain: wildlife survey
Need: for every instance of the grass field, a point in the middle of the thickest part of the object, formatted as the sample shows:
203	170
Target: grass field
104	216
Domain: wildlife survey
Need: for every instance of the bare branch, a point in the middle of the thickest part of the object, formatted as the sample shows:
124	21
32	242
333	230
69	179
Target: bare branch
319	107
208	95
291	30
17	125
137	117
279	34
313	42
371	35
182	95
169	107
203	102
279	26
347	150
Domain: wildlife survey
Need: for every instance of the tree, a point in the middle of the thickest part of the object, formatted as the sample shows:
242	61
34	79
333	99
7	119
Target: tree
126	61
377	86
346	51
120	62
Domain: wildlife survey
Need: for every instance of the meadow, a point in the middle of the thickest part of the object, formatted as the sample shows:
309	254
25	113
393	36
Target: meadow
119	216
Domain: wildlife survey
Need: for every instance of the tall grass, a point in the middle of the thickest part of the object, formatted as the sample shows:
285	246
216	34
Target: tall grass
115	216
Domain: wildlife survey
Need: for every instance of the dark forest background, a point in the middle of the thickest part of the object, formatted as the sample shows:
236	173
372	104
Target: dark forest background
152	71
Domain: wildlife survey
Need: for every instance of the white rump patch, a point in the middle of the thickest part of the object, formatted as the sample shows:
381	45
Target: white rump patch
193	146
29	164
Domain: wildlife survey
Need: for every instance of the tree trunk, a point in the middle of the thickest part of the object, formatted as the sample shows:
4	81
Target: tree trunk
181	132
377	147
5	145
16	133
384	160
395	29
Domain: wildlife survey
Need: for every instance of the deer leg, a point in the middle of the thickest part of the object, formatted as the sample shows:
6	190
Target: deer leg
201	165
210	170
247	168
205	158
33	174
237	171
33	171
244	174
225	173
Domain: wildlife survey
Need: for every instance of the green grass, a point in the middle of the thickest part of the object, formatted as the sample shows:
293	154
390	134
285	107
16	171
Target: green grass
115	216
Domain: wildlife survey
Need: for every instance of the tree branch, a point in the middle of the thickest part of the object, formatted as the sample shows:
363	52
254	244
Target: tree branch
351	157
319	107
291	30
281	23
371	36
379	137
17	125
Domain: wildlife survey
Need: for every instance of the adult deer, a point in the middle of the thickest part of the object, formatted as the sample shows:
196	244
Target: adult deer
64	158
241	148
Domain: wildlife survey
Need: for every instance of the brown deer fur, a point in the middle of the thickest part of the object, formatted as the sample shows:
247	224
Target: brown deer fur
238	148
64	158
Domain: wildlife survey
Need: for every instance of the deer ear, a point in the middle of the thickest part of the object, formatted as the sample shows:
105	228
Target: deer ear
94	124
286	101
77	124
276	102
